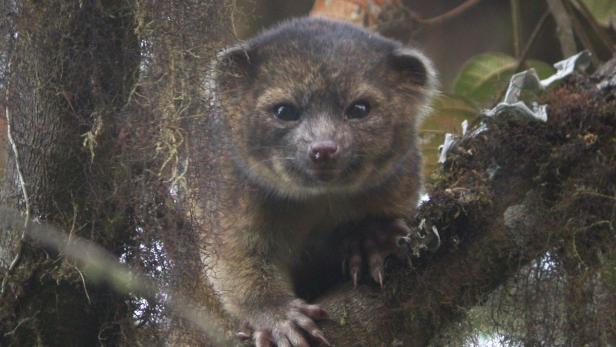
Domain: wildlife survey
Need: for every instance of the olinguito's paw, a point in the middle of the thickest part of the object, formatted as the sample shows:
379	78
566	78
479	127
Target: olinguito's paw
289	326
371	244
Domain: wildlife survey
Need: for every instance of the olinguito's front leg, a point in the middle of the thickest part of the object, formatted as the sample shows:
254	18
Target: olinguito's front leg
260	293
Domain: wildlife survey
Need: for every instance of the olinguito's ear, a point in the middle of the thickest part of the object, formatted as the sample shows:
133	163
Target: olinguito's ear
412	67
234	67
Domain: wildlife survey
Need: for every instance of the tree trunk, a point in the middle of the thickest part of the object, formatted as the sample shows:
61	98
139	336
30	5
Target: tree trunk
71	71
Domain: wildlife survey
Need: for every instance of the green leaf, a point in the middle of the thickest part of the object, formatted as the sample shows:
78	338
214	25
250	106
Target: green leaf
544	70
448	112
604	11
484	77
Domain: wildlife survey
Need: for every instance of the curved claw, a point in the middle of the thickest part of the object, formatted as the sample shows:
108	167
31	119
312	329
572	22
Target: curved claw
243	336
353	260
310	327
312	311
355	277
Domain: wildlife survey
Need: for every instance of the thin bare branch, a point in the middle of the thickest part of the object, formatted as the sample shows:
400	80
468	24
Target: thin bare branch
564	26
516	27
455	12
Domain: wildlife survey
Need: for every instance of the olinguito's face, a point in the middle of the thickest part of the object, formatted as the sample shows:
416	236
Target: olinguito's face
321	107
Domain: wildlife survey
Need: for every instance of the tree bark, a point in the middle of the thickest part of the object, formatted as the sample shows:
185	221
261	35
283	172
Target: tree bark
71	72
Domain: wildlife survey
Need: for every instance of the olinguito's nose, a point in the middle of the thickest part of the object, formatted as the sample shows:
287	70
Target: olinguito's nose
323	151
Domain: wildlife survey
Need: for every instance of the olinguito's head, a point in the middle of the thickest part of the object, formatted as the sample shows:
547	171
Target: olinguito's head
315	106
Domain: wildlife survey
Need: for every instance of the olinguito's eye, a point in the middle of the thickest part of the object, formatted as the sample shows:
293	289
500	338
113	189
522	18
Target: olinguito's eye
358	110
286	112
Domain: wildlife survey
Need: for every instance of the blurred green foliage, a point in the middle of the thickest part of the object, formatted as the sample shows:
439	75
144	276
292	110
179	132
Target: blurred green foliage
603	10
484	77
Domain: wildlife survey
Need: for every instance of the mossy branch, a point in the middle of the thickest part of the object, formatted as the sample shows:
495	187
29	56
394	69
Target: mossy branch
504	198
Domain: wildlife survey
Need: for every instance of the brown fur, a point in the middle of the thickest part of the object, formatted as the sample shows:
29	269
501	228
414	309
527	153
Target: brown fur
266	209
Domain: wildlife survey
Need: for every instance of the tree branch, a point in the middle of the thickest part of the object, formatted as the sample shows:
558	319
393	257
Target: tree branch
460	9
565	27
516	23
